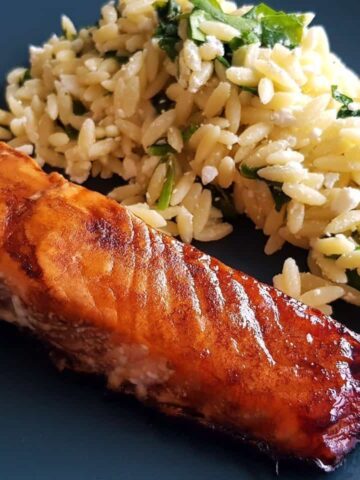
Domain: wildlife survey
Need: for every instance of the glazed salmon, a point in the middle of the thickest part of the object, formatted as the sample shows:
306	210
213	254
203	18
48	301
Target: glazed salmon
172	325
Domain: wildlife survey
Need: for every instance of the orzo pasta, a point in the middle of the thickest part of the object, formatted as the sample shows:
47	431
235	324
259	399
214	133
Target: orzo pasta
202	108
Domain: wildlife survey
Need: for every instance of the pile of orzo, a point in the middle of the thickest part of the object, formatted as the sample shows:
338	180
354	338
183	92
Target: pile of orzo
205	109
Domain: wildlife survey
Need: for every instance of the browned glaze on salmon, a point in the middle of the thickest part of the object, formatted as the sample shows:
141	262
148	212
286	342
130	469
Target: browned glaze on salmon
173	325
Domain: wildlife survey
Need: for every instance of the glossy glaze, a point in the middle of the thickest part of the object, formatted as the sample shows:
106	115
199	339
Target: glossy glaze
243	356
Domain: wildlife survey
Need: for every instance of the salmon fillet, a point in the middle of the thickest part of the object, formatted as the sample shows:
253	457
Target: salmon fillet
172	325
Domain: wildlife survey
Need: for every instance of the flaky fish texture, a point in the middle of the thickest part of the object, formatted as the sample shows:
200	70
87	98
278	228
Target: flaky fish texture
176	327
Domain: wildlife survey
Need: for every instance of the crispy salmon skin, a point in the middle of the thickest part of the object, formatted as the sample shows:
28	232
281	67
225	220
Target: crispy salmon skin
171	324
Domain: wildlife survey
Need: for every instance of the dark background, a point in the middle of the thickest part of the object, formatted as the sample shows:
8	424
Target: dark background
65	427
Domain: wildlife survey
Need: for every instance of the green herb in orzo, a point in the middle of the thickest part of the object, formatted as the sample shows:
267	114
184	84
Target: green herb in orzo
224	61
160	149
206	106
188	132
249	172
277	26
196	18
167	31
253	90
166	192
279	197
349	108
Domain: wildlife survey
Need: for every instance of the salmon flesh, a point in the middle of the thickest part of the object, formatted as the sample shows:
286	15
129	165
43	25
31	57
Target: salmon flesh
176	327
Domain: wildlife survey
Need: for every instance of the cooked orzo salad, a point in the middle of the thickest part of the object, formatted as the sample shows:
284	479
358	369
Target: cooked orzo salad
206	110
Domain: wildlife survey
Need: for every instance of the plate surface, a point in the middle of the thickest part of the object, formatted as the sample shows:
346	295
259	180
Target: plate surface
61	426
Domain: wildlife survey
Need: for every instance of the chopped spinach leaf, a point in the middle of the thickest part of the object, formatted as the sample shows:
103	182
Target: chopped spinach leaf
277	26
248	29
280	198
167	31
160	149
188	132
261	10
282	28
168	44
166	192
168	10
253	90
353	279
344	111
196	17
223	200
236	43
26	76
261	24
249	172
121	59
79	108
340	97
224	62
162	103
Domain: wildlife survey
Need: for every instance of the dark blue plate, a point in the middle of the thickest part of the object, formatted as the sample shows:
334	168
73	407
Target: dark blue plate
66	427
